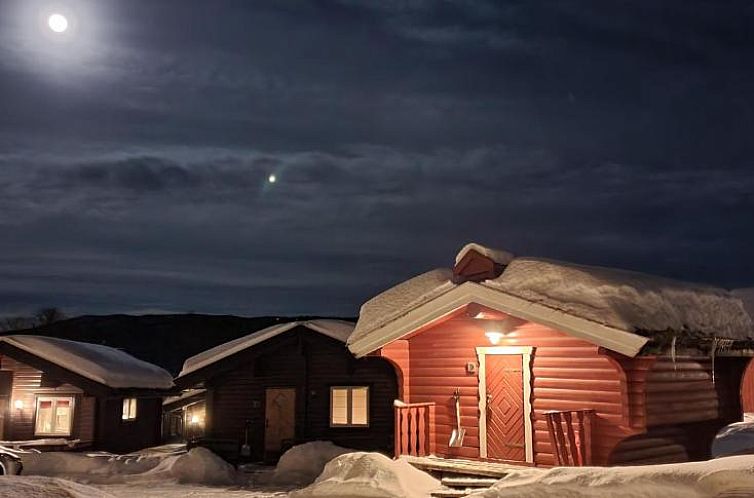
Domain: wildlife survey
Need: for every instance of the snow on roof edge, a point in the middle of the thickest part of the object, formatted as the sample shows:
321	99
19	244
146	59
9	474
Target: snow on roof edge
339	330
102	364
499	256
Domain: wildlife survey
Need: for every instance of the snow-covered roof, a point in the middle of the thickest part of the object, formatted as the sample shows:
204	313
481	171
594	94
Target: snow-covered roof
108	366
335	329
499	256
186	394
610	307
627	300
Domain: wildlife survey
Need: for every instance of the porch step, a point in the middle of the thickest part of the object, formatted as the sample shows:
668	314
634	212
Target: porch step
462	467
468	482
453	492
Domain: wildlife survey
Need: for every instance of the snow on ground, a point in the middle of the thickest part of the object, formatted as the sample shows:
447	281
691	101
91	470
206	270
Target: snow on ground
369	475
302	464
714	478
735	439
46	487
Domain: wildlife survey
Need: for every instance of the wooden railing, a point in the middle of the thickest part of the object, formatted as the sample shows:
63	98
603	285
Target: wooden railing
414	429
571	436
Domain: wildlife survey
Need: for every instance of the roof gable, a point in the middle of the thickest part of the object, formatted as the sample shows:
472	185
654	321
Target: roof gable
336	329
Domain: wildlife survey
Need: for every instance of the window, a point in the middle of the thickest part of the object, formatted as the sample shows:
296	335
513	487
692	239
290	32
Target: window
129	408
54	416
349	406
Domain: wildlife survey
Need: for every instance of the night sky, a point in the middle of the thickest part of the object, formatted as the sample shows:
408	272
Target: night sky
135	148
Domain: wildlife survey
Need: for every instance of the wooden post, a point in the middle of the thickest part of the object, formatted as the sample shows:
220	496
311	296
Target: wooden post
397	435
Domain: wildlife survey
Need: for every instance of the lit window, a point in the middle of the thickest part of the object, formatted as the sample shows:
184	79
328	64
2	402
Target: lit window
349	406
129	408
54	416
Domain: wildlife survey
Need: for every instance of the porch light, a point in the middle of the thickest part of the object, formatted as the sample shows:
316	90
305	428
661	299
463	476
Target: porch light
494	337
194	420
18	404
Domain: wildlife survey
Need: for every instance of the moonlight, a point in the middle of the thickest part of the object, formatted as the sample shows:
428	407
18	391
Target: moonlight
58	23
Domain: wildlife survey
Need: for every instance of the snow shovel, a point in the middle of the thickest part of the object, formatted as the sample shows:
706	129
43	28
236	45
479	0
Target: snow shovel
456	437
246	448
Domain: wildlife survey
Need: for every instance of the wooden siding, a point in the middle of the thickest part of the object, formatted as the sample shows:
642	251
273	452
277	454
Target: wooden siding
122	436
567	374
310	363
26	386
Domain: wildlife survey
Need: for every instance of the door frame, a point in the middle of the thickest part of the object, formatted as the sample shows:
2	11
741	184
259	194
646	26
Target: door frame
526	354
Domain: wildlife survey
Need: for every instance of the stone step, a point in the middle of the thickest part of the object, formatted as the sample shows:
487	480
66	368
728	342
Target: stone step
468	482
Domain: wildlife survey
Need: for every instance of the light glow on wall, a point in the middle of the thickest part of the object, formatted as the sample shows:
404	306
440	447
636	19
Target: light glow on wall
18	404
494	337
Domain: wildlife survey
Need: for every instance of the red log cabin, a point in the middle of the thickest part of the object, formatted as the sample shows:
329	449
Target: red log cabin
61	394
551	363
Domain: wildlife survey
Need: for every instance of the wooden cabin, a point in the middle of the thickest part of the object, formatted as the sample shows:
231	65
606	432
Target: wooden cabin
288	384
60	394
183	416
556	364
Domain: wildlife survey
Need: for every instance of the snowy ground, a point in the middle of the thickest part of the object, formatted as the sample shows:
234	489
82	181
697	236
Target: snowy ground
173	490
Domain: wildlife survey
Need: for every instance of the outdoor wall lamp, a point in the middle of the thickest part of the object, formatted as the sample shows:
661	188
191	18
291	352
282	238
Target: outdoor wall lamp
18	404
494	337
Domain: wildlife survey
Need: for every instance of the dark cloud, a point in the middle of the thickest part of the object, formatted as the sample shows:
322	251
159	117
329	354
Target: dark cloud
133	160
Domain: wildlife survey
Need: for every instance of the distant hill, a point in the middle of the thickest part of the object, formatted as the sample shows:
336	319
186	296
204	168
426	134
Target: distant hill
165	340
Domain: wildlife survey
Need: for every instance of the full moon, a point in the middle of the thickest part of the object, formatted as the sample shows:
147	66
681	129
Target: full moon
58	23
272	178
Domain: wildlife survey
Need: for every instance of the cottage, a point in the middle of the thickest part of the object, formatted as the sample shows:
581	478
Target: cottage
56	393
542	362
286	384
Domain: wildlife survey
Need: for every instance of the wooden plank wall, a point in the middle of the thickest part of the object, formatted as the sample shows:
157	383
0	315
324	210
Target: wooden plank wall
27	384
568	374
311	363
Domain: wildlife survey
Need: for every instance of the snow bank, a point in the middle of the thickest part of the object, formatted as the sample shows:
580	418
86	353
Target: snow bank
685	480
401	299
626	300
303	463
747	297
102	364
198	466
336	329
373	475
735	439
47	487
499	256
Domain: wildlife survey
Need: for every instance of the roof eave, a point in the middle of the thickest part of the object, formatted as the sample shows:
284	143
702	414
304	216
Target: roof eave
620	341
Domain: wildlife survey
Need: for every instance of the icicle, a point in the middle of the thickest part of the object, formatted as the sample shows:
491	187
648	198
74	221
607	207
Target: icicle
712	353
673	353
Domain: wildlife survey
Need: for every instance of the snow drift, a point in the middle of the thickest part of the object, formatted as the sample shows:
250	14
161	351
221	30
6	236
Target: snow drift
303	463
47	487
372	475
198	466
732	476
735	439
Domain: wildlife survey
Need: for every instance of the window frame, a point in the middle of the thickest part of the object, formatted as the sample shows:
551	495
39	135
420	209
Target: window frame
349	406
132	403
54	398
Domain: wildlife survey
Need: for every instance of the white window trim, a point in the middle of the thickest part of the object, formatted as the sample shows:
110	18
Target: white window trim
126	417
54	399
526	354
349	405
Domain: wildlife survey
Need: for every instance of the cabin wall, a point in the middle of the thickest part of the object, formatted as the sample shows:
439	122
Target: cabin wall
122	436
747	388
567	374
679	406
27	384
310	363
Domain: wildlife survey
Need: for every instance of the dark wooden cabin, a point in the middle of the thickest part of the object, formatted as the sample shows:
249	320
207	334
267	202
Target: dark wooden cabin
60	394
557	364
292	383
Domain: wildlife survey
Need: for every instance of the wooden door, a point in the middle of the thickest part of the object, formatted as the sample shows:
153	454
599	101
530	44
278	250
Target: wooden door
506	428
280	418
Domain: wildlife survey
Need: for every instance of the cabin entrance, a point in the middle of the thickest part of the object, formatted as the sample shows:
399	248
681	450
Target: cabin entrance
505	427
279	420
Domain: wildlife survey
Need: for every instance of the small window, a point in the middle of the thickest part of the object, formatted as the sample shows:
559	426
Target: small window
129	408
54	416
349	406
